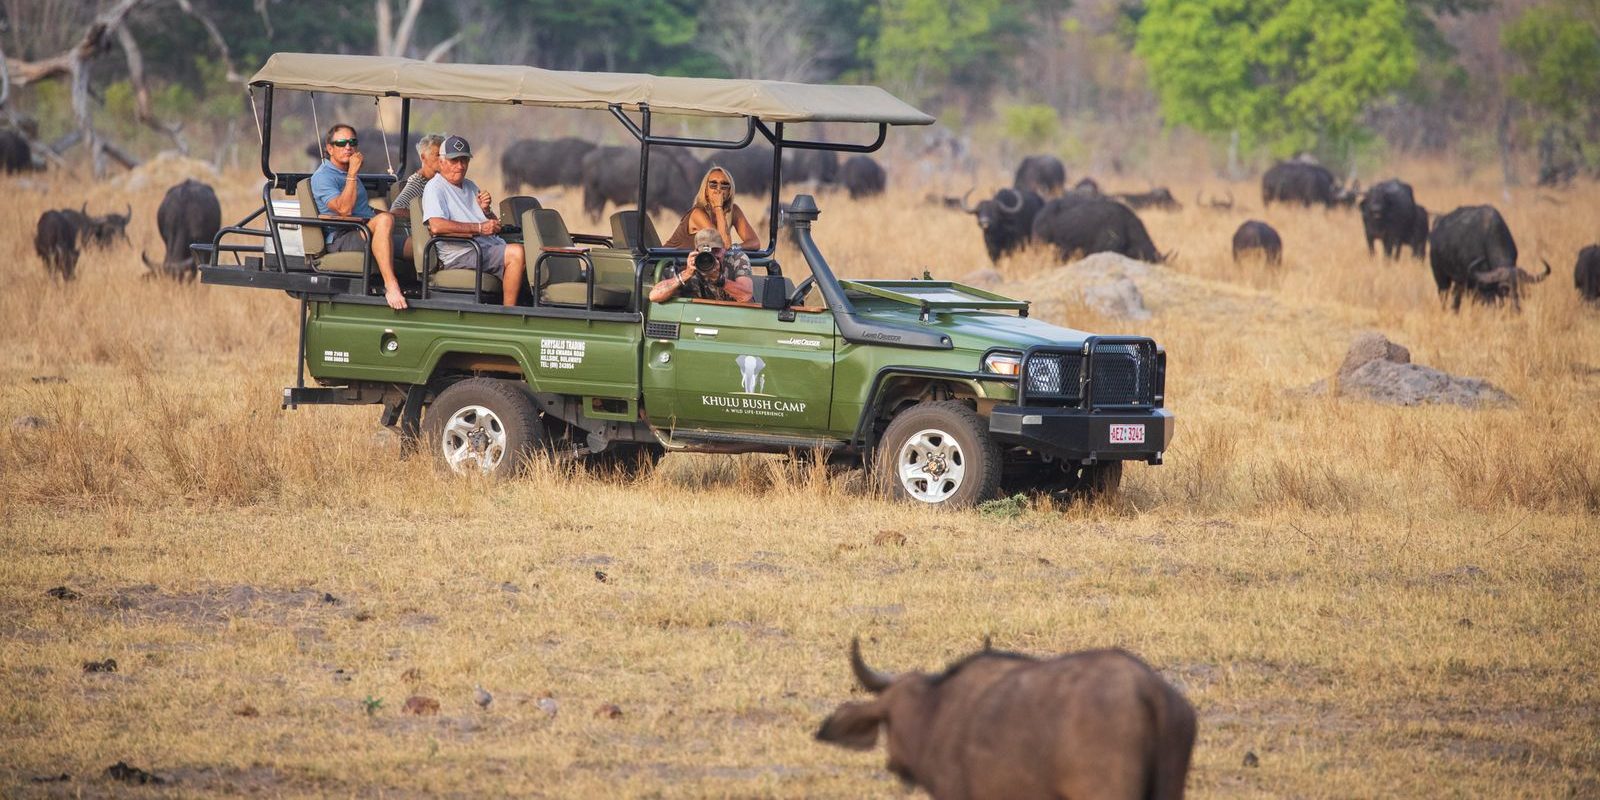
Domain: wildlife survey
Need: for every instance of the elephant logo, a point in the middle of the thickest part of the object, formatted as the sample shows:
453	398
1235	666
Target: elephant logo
750	376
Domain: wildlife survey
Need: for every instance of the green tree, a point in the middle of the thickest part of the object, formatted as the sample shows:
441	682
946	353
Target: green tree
1559	54
924	47
1291	76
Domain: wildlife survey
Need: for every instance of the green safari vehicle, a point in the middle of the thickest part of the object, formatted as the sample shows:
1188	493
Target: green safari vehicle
948	394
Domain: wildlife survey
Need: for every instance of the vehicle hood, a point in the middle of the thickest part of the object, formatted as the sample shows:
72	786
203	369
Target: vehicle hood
977	330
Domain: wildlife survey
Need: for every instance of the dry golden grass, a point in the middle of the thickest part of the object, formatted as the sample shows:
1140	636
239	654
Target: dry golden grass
1376	601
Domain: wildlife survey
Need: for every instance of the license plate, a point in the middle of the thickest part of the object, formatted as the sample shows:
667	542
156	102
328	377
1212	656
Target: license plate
1127	434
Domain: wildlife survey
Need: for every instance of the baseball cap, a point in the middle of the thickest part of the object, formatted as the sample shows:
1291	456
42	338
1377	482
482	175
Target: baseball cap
707	236
455	147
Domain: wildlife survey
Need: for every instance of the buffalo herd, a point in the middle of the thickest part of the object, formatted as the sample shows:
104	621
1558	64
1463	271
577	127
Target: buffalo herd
1470	250
62	234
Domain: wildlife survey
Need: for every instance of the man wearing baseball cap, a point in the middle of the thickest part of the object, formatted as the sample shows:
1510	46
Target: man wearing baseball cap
711	272
453	205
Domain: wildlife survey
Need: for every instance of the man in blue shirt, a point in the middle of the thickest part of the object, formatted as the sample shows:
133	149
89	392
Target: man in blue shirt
454	206
337	189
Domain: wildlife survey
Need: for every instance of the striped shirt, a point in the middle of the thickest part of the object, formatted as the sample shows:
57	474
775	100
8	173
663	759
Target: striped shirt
411	190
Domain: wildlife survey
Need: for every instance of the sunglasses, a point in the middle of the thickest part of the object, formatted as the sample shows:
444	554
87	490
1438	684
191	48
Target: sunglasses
351	142
719	184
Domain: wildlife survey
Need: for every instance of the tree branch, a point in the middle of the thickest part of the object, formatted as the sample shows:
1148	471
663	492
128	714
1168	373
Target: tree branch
216	37
95	41
408	23
141	92
443	47
385	27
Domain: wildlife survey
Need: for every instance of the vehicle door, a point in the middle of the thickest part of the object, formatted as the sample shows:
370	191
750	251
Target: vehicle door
737	367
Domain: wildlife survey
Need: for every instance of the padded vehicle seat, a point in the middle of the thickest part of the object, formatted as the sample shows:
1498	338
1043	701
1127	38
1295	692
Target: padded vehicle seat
622	230
512	207
561	278
350	262
448	280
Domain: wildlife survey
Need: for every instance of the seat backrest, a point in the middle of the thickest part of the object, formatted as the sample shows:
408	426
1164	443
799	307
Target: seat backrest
512	207
420	235
541	228
622	227
311	236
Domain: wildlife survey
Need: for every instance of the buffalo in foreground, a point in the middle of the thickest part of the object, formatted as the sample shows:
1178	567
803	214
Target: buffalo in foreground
1006	219
1306	184
189	214
863	177
1389	212
1043	175
1256	236
1088	224
1586	273
538	163
1099	723
1474	251
61	234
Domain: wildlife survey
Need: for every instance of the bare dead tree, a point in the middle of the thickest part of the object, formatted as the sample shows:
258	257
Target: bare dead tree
216	38
395	40
783	40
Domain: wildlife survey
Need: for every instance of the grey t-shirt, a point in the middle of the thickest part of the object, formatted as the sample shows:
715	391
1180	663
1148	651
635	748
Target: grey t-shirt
444	200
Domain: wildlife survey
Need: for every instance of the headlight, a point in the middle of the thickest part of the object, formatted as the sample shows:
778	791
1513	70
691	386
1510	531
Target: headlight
1002	363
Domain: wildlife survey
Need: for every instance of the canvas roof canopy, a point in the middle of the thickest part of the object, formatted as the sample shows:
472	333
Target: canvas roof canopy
771	101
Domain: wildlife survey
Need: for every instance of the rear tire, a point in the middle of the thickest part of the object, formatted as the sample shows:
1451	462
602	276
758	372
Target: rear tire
939	453
483	426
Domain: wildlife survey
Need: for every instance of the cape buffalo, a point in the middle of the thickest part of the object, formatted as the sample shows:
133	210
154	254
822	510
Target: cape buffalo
1089	224
820	166
15	154
61	234
1258	236
1100	723
1214	204
1586	273
1473	250
1044	175
1086	186
189	214
611	174
1306	184
863	177
538	163
1389	212
1006	219
1158	197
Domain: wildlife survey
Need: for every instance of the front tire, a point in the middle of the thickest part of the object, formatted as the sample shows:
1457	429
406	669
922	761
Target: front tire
939	453
483	426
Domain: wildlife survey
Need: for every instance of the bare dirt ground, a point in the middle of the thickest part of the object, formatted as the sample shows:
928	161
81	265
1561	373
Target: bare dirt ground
1369	600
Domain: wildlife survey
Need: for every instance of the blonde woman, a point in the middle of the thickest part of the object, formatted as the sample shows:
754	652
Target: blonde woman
714	208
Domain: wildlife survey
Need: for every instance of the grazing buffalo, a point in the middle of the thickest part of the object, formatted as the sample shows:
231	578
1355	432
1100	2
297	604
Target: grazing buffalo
1473	251
611	174
1586	273
61	234
1006	219
1158	197
1044	175
1306	184
1214	203
1389	212
538	163
863	177
1100	723
1088	224
818	166
1256	236
189	214
15	153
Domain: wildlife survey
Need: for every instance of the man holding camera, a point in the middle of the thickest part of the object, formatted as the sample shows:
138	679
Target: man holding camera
712	273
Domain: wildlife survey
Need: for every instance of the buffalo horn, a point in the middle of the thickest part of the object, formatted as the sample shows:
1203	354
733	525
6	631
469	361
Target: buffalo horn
871	679
965	207
1013	207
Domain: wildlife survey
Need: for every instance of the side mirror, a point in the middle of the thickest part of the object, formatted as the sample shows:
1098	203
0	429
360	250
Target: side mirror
773	294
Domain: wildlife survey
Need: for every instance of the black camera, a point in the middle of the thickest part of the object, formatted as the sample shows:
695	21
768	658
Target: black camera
705	261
